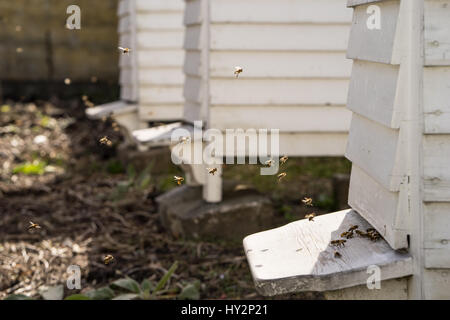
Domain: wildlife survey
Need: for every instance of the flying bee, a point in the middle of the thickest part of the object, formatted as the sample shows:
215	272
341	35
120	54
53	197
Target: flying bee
269	163
347	234
212	170
352	228
33	226
108	259
106	141
283	159
237	71
338	243
115	126
307	201
310	216
337	254
178	179
281	176
183	139
124	50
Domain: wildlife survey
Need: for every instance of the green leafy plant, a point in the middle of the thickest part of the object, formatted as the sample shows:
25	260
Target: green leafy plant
134	183
36	167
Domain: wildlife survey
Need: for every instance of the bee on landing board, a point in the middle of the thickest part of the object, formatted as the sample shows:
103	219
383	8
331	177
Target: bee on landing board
178	179
108	259
361	233
307	201
33	226
352	228
337	254
281	176
124	50
283	159
212	170
310	216
338	243
237	71
347	234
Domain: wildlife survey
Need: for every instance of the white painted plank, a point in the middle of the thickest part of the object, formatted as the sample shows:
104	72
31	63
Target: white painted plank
372	92
129	93
436	284
160	39
280	11
313	144
193	89
436	97
160	21
160	5
192	111
287	119
379	206
436	166
160	112
437	32
193	38
123	7
353	3
162	76
278	37
376	149
280	64
160	58
112	108
437	235
160	94
298	256
192	63
193	12
378	44
268	92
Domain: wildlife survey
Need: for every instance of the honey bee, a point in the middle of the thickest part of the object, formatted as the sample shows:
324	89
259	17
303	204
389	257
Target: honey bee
361	233
115	126
108	259
347	234
106	141
338	243
283	159
237	71
125	50
281	176
269	163
310	216
183	139
33	226
352	228
212	170
178	179
307	201
337	254
373	234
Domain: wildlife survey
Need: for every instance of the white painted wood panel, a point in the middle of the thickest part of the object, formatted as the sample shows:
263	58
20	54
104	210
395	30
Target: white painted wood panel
193	90
377	150
436	166
160	21
161	58
160	5
437	32
373	92
193	12
298	119
160	94
160	40
436	284
379	206
166	112
193	38
128	93
192	111
123	8
436	97
163	76
437	235
280	64
278	37
268	92
193	63
352	3
280	11
299	257
378	44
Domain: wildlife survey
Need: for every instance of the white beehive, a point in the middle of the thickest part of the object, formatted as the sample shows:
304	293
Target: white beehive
399	144
295	74
151	74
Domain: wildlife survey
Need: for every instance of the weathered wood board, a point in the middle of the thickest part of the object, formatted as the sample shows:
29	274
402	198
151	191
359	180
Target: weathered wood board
298	256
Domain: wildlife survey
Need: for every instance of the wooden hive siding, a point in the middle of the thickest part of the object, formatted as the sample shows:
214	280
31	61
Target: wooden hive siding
152	73
295	72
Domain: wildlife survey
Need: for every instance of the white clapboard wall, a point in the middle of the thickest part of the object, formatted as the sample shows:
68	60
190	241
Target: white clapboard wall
399	145
152	74
295	76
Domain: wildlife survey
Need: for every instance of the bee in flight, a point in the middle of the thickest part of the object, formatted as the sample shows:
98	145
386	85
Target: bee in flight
212	170
237	71
283	159
307	201
33	226
125	50
310	216
108	259
178	179
338	243
281	176
184	139
106	141
269	163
